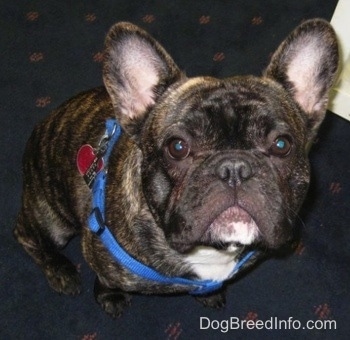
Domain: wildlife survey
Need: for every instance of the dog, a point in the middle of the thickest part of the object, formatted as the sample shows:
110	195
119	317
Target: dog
205	174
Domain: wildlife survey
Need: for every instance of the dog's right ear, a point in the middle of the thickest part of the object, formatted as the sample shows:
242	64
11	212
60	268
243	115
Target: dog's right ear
306	65
137	70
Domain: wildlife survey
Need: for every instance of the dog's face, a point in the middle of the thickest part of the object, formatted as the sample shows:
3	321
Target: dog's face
224	162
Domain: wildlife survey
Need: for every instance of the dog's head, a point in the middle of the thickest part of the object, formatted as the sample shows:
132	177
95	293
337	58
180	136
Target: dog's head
224	161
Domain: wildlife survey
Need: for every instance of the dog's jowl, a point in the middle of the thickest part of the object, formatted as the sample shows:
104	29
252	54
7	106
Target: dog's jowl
174	183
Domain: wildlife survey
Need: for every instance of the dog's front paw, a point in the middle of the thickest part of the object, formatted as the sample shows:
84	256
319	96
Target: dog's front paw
113	301
63	277
214	300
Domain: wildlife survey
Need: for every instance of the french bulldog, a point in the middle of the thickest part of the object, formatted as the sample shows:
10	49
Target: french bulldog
204	170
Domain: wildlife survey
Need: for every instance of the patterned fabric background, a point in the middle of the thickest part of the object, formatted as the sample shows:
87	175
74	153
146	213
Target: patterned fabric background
51	50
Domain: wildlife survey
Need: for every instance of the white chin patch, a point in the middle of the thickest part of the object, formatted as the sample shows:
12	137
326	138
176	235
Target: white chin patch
234	225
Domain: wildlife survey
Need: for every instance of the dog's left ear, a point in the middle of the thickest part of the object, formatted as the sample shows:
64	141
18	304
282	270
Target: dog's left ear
136	72
306	64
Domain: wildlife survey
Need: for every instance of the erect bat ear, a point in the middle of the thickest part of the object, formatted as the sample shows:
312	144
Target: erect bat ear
136	71
306	64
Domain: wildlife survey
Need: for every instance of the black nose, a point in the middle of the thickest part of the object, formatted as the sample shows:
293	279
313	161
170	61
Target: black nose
234	171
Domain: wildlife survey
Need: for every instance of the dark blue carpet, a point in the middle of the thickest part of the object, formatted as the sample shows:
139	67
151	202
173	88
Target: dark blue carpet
51	50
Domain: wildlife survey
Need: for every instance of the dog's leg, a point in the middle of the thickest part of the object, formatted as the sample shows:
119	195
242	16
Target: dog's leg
61	274
213	300
112	300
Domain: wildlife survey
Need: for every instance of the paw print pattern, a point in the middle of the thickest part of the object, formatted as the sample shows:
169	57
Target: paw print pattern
219	56
204	19
43	101
256	21
335	188
173	331
90	17
251	316
36	57
32	16
299	249
323	312
92	336
148	18
98	57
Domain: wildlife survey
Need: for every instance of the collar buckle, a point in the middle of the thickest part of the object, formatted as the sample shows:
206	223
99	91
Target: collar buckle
96	222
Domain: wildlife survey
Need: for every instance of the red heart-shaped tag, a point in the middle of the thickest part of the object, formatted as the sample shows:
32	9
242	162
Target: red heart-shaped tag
85	157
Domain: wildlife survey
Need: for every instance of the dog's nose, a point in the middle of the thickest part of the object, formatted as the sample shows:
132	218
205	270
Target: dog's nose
234	171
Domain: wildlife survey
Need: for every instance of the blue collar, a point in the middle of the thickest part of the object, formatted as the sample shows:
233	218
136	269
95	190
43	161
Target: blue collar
97	225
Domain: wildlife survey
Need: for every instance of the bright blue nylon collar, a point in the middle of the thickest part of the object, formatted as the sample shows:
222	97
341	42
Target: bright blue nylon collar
97	225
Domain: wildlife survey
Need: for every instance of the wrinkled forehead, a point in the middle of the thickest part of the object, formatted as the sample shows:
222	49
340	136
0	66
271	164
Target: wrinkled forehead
231	106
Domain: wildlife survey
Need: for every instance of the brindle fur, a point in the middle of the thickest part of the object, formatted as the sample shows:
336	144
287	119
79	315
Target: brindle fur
145	208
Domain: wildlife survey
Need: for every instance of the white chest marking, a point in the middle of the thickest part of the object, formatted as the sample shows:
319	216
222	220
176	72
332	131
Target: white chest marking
212	264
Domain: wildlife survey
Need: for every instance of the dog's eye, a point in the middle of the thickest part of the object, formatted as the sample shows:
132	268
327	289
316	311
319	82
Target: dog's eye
281	146
178	149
